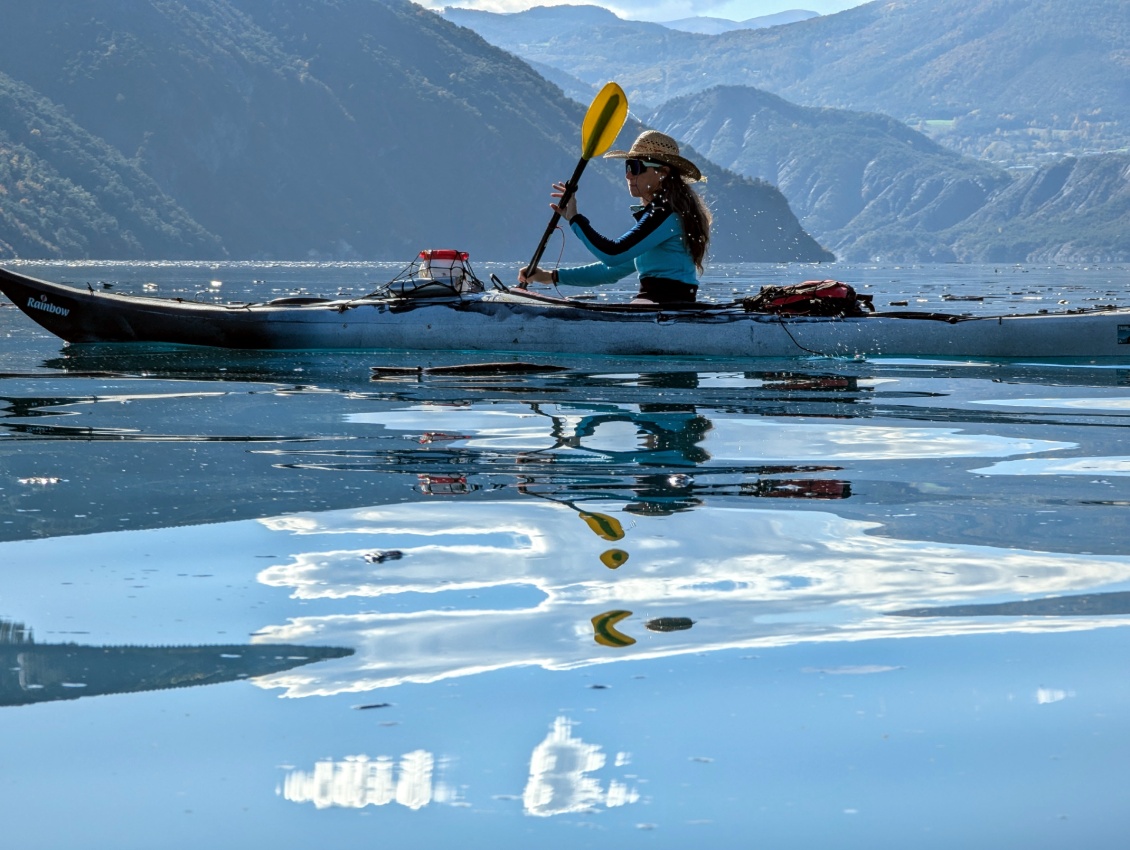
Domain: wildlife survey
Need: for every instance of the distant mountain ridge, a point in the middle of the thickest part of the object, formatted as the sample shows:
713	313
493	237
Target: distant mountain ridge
1076	210
869	187
995	79
298	129
715	26
858	180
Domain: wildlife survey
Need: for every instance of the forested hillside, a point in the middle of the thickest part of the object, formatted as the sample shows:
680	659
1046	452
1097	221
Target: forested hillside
64	192
297	129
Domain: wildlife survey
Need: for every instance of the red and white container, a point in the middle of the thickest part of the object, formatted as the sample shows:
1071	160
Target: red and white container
443	265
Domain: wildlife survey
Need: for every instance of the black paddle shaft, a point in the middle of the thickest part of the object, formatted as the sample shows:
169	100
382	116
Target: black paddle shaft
570	190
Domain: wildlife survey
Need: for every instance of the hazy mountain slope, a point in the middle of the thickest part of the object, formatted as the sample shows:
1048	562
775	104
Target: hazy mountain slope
588	42
64	192
573	87
715	26
541	25
855	180
330	128
1011	79
1077	210
247	136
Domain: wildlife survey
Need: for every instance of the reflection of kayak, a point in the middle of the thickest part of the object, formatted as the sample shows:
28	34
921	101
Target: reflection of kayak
437	318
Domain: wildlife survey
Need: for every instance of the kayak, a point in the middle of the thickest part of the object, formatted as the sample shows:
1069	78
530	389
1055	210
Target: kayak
437	316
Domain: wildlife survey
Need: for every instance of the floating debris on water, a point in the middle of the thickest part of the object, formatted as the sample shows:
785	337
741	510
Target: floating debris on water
381	557
669	624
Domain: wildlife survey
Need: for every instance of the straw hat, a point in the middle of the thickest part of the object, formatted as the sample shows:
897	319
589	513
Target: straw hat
658	147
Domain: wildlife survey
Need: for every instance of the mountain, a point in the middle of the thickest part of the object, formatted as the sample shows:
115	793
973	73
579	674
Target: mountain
64	192
870	187
1014	81
1075	210
715	26
857	181
1019	96
295	129
541	23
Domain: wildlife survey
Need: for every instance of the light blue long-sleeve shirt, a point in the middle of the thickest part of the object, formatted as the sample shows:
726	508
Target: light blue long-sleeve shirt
654	247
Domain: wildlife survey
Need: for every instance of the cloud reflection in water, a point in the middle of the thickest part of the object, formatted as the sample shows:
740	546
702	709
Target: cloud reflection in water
560	780
748	578
359	781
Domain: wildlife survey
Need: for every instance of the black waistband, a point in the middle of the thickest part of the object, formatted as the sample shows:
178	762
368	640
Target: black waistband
662	290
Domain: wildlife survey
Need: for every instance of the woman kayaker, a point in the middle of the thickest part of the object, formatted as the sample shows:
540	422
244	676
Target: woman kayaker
668	243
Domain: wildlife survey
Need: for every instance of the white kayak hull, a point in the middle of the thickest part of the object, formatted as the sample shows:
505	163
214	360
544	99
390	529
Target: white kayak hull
521	322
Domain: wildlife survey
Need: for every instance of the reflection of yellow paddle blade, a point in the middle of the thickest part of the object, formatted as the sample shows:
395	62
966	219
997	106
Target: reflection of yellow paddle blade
613	558
606	115
603	525
604	631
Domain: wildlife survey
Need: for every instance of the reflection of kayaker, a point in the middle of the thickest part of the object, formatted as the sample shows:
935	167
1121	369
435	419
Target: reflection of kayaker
602	525
669	434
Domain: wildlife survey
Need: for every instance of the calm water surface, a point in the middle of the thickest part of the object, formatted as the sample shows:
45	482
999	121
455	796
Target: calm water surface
262	600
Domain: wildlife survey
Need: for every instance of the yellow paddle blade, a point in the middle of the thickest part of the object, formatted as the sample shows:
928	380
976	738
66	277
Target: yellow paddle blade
606	116
603	525
605	634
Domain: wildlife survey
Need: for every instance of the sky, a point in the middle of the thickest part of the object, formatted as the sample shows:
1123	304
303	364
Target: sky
666	10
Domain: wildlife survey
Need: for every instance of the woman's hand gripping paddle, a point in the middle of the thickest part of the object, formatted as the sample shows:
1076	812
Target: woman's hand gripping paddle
603	121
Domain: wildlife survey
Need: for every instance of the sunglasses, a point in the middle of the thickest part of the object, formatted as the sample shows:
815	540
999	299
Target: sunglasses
636	167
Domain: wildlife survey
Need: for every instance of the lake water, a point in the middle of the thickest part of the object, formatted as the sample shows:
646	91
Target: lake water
262	600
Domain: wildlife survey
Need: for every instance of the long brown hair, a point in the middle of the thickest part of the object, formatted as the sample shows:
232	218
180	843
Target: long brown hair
693	213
